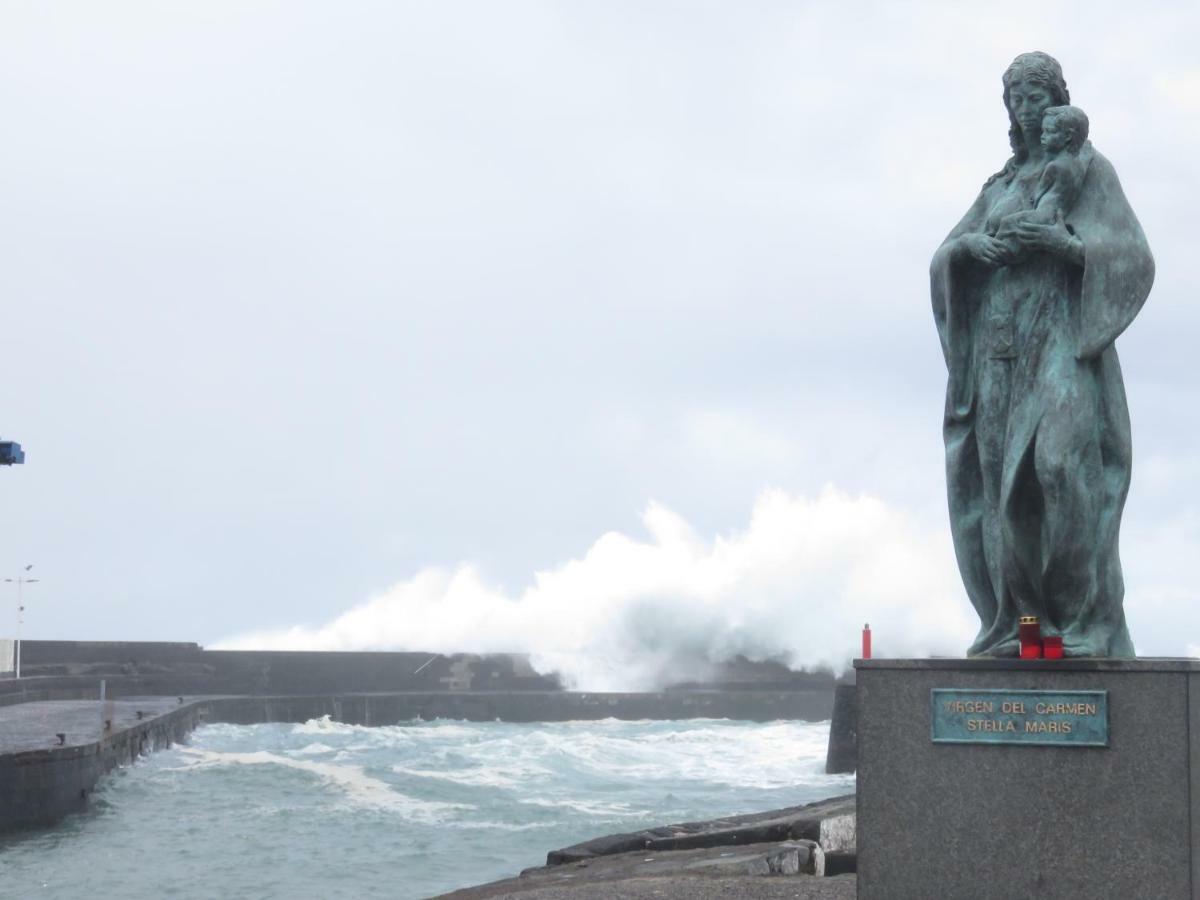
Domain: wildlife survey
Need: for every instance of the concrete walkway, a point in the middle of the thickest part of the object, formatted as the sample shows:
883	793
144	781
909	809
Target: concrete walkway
696	874
34	726
791	887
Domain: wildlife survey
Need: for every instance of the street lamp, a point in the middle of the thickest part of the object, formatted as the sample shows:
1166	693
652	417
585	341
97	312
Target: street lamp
20	581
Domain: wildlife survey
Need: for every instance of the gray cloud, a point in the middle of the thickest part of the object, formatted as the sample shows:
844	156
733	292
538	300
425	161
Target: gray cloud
302	299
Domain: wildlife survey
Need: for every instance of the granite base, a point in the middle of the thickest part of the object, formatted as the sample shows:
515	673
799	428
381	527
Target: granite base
1012	822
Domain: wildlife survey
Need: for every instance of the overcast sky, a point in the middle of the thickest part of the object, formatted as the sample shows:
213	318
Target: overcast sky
372	306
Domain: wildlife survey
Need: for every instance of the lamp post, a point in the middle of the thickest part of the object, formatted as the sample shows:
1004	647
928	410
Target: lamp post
20	581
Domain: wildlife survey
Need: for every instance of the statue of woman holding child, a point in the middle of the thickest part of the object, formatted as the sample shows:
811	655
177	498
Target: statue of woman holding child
1030	290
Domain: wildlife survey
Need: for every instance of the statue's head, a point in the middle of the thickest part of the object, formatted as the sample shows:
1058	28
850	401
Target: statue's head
1032	84
1064	128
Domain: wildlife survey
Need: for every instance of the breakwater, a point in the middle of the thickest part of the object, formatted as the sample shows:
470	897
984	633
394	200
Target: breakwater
54	753
141	668
187	668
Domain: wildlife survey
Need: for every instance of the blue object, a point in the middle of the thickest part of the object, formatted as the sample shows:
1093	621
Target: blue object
11	453
1057	718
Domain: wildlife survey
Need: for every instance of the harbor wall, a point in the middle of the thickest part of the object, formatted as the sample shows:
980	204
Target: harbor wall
197	670
39	787
145	668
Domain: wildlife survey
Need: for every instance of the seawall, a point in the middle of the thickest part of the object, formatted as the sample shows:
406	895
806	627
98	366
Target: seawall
41	785
182	668
136	667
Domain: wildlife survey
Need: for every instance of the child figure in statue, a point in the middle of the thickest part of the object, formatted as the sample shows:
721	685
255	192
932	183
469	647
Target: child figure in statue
1064	136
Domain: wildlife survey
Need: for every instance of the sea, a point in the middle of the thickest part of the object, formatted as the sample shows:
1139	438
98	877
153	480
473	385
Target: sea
328	810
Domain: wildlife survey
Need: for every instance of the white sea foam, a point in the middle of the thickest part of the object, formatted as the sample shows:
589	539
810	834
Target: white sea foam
355	785
500	776
435	730
795	585
478	824
587	807
326	725
783	754
312	750
774	755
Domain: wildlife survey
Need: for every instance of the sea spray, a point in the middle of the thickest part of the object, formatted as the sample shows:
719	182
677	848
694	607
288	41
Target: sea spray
633	614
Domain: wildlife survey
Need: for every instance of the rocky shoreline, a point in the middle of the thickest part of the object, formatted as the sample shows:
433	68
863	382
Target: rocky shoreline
727	857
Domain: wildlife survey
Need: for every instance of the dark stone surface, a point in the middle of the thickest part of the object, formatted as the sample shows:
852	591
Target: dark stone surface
987	821
297	672
1193	782
189	669
666	887
37	653
677	873
792	823
841	862
842	755
1028	302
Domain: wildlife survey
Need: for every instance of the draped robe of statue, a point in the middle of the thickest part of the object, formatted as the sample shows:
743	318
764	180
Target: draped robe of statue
1036	424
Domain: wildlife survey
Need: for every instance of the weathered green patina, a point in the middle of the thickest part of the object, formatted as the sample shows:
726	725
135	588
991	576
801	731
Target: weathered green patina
1050	718
1036	423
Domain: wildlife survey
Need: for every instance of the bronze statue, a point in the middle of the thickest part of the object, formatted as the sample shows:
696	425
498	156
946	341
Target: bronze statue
1030	290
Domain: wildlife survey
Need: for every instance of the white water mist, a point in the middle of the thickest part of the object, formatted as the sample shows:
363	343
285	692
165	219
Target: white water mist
795	585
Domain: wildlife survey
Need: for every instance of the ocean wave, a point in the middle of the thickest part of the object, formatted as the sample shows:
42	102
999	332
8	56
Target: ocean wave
507	776
355	784
583	768
586	807
476	824
766	756
327	725
312	750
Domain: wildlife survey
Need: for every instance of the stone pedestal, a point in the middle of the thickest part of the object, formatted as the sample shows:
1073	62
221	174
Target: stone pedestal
1012	821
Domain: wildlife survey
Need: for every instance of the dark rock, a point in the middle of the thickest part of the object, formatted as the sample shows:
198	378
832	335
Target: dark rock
841	862
793	823
842	757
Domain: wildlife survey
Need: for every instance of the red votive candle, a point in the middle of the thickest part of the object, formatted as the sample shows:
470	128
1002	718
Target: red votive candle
1052	647
1030	634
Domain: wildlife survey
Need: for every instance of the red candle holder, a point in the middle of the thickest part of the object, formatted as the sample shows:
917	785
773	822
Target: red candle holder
1052	647
1030	635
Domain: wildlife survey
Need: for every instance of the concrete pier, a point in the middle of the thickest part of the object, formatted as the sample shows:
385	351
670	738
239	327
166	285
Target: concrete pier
44	776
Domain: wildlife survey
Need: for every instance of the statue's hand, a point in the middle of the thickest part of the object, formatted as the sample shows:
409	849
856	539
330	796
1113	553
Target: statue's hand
1053	238
985	249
